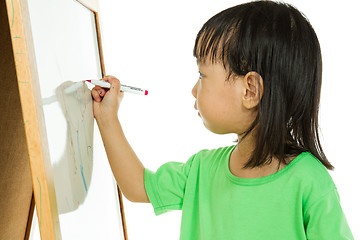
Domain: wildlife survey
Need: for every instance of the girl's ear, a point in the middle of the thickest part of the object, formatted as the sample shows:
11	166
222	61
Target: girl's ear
253	90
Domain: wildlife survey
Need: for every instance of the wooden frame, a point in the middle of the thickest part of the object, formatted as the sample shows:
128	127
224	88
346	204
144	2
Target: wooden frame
27	117
15	178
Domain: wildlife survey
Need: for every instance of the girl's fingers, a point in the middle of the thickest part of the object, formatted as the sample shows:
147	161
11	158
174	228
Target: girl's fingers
97	94
115	83
100	90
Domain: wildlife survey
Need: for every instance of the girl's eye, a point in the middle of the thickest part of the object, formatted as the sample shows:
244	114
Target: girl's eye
201	75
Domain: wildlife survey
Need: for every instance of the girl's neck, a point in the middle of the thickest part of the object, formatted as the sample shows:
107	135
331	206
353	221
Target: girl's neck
244	148
241	155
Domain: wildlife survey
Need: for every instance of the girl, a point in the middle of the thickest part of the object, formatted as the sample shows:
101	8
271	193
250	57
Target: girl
260	77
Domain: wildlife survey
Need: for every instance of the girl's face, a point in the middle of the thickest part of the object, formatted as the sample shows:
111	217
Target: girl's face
220	102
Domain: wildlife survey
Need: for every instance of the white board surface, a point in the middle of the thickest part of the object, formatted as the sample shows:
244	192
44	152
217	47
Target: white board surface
66	49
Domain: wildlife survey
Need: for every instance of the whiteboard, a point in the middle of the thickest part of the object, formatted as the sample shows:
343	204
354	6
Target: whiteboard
66	49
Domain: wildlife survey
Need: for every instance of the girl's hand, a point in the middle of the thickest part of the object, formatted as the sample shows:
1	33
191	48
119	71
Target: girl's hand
107	101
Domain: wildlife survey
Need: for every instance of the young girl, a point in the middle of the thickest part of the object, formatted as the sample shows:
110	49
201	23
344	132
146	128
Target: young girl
260	77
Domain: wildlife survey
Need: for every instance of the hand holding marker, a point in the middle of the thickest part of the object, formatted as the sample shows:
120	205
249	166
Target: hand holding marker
123	88
99	83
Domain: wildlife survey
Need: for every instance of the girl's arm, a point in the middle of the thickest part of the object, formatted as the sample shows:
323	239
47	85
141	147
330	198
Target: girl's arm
125	165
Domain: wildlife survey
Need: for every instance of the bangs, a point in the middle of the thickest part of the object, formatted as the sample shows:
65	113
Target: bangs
220	40
212	43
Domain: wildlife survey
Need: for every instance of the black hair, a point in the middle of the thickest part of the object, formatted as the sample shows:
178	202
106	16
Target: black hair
278	42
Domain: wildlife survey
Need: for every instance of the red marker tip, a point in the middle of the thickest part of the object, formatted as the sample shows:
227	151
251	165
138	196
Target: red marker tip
146	92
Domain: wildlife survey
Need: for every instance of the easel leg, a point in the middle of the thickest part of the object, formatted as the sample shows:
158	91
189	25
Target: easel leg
122	213
30	218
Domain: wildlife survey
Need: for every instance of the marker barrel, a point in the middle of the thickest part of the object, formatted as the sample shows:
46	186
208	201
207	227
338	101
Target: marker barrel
123	88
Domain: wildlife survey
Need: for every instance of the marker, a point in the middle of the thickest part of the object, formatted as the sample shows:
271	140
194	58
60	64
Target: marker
123	88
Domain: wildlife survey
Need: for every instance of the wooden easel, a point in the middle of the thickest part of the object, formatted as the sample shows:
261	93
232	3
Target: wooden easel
26	175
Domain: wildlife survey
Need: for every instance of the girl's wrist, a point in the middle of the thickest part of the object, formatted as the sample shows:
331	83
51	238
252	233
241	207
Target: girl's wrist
105	121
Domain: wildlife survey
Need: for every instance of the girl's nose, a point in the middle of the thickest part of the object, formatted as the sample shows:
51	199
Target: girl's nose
194	90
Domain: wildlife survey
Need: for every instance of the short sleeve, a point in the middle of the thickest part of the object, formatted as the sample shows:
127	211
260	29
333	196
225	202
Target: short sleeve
326	220
166	187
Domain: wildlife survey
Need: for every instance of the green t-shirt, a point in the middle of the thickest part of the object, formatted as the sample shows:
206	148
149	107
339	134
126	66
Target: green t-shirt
298	202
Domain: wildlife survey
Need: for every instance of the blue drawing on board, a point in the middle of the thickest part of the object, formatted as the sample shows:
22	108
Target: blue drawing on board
81	162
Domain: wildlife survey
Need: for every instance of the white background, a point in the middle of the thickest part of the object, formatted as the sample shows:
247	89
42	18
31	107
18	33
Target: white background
149	44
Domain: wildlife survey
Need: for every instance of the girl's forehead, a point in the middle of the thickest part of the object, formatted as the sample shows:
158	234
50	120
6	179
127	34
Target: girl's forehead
209	66
208	60
210	63
204	63
201	62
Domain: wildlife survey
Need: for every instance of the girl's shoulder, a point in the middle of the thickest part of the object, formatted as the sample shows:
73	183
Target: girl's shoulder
312	175
216	155
310	167
209	157
216	152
